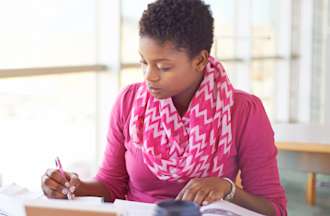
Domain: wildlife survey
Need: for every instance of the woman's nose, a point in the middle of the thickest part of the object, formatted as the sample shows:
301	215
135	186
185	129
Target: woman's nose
150	74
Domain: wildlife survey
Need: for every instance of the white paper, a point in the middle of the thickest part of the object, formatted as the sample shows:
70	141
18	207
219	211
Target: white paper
12	198
89	199
131	208
10	206
225	208
14	190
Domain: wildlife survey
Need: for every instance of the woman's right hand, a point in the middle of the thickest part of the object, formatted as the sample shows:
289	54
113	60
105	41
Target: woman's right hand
54	185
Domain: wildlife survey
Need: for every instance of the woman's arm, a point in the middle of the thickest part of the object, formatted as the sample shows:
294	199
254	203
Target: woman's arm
257	157
112	177
257	204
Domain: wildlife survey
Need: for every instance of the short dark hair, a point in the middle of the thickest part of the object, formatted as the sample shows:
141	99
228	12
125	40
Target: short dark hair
188	24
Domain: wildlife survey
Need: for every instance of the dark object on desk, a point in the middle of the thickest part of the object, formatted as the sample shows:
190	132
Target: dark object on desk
177	208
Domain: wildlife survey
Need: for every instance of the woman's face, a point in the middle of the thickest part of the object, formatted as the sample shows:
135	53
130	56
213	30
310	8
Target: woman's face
168	72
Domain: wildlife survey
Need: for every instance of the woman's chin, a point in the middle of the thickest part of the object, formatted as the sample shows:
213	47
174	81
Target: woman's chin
159	96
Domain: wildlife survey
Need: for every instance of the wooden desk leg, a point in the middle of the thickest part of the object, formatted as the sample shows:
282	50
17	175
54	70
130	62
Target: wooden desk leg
311	189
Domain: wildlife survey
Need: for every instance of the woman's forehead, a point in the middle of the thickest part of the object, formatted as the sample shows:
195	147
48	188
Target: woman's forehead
152	49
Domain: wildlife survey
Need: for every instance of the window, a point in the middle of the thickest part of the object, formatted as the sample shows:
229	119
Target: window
275	49
34	32
42	117
260	44
131	12
55	89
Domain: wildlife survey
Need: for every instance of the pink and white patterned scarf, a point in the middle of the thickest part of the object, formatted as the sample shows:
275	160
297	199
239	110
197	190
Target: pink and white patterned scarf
195	145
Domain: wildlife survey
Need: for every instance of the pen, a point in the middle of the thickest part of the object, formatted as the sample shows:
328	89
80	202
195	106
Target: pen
60	168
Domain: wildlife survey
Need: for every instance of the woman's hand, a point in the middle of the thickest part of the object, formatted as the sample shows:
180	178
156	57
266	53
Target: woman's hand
54	185
205	190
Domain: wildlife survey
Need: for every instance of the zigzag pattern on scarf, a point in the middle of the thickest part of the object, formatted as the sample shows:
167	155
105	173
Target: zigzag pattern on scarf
174	151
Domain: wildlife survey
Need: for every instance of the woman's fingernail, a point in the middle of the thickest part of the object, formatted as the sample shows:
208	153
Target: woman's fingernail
65	191
72	189
67	184
205	203
71	196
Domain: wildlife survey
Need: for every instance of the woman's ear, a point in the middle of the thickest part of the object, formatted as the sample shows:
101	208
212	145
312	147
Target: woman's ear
201	60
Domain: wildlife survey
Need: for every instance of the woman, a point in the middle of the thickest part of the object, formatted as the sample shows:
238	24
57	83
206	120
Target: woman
185	132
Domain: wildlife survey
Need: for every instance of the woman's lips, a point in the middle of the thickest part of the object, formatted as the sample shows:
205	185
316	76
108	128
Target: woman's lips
153	89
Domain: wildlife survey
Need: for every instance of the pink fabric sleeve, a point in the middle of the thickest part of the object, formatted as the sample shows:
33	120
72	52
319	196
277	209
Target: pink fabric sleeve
113	173
257	154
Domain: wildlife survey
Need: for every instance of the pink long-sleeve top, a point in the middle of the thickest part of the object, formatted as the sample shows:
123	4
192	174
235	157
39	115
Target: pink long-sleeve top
253	152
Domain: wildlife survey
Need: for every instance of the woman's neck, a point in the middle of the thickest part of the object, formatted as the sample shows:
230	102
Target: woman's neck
182	100
181	105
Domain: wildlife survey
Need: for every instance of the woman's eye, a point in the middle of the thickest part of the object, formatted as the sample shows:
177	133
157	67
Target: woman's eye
164	69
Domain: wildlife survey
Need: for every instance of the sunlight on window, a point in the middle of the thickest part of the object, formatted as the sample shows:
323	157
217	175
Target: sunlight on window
43	33
42	117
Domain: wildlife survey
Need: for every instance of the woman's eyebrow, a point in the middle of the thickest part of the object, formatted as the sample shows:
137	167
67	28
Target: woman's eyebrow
156	60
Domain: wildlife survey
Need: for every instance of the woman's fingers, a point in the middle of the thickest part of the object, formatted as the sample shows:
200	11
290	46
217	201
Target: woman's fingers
74	182
54	185
212	197
52	189
189	192
54	194
204	190
182	192
56	176
200	196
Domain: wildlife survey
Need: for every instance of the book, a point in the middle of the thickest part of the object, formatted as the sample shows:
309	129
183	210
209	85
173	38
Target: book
225	208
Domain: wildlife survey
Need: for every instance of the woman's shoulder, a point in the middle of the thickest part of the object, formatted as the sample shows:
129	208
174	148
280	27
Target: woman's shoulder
248	115
248	111
246	102
242	97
